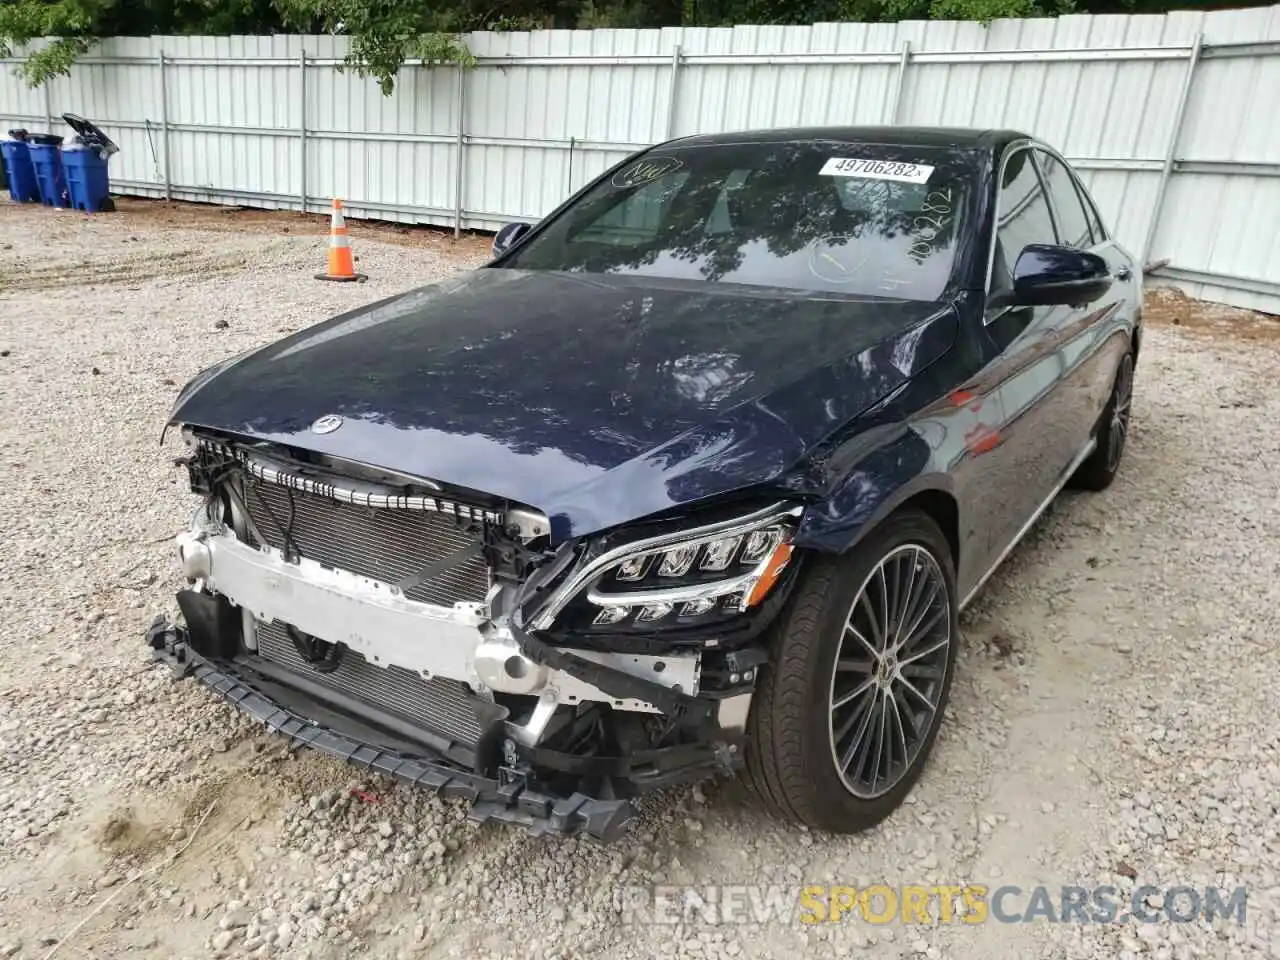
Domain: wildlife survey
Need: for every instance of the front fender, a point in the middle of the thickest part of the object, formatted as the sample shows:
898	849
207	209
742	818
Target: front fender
897	469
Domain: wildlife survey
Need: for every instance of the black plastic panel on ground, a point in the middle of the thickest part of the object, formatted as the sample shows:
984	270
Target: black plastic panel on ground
490	799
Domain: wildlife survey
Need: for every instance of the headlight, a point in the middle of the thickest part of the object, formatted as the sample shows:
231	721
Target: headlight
688	577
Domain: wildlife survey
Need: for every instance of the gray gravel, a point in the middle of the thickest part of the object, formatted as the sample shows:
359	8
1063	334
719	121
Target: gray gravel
1114	719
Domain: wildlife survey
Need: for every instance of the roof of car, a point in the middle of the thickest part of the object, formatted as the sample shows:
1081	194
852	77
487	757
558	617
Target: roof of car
993	140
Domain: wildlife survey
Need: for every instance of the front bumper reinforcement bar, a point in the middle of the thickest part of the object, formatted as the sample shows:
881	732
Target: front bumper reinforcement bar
690	711
507	799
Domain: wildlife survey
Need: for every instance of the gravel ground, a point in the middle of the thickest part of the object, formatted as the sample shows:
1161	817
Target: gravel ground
1114	718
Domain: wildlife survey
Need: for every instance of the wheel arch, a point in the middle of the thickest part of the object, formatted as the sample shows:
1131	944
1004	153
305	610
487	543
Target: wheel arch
937	502
942	507
831	529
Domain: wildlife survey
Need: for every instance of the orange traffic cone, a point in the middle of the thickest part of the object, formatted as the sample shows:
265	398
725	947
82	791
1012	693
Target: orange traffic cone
341	263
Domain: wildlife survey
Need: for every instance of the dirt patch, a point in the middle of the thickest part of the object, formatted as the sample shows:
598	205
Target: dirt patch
128	836
206	795
118	831
1169	306
138	214
1004	648
126	270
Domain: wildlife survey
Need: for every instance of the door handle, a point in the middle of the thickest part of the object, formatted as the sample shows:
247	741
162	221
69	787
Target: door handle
1124	273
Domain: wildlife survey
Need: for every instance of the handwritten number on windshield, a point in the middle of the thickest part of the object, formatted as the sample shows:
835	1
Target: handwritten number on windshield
934	218
941	205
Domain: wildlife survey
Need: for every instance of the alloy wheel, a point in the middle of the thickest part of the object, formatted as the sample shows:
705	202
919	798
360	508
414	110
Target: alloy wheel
889	669
1121	401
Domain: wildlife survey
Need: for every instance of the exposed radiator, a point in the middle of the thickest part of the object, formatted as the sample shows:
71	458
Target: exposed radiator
444	706
384	544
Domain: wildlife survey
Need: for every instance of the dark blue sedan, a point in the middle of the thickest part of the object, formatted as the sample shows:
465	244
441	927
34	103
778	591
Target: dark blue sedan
693	478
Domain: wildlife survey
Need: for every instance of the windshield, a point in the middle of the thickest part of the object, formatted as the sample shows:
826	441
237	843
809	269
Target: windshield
852	218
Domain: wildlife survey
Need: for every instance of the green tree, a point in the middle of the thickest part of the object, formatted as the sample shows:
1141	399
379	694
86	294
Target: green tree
76	25
386	33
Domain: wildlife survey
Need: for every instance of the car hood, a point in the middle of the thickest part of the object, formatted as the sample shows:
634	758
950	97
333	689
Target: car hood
598	399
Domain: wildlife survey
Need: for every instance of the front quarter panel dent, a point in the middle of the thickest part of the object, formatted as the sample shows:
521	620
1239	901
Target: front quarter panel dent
880	483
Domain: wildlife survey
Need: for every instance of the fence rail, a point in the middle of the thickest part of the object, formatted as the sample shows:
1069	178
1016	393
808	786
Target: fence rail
1167	117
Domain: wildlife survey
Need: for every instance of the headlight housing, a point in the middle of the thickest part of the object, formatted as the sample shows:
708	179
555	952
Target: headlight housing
690	577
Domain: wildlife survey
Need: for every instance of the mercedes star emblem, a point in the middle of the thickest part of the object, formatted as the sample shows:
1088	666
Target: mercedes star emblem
327	424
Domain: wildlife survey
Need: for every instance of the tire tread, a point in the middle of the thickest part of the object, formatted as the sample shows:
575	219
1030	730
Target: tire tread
779	721
777	764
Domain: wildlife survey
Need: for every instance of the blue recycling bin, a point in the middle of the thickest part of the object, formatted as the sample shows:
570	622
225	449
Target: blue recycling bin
20	172
87	183
52	179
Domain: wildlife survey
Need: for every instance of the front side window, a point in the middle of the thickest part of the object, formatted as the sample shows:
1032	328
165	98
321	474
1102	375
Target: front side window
638	218
1073	222
1091	211
1023	217
867	220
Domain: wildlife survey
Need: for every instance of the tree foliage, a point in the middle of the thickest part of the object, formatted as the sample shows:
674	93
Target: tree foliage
386	33
76	25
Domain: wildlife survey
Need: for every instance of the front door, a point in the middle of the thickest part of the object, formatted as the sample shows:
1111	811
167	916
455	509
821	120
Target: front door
1095	335
1025	363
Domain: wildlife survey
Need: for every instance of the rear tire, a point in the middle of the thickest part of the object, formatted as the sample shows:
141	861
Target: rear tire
807	717
1103	464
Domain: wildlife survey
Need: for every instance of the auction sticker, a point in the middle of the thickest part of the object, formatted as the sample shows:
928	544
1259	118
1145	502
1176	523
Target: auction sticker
876	170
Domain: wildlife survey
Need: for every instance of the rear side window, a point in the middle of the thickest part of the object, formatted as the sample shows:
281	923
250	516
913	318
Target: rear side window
1073	221
1023	217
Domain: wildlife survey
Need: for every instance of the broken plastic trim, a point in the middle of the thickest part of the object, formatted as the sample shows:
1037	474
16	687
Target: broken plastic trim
507	799
687	710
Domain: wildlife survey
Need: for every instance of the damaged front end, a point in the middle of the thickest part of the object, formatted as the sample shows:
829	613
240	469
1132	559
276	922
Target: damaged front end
440	637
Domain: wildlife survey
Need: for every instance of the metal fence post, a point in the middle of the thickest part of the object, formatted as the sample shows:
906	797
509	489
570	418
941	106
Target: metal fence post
48	105
1171	149
164	128
673	92
457	173
302	131
903	63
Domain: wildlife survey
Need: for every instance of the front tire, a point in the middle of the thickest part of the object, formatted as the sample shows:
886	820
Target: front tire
849	705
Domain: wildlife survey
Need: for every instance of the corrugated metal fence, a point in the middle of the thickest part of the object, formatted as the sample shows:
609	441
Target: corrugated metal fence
1171	119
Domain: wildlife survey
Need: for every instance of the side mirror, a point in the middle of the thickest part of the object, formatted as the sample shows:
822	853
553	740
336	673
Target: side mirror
1050	275
508	237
